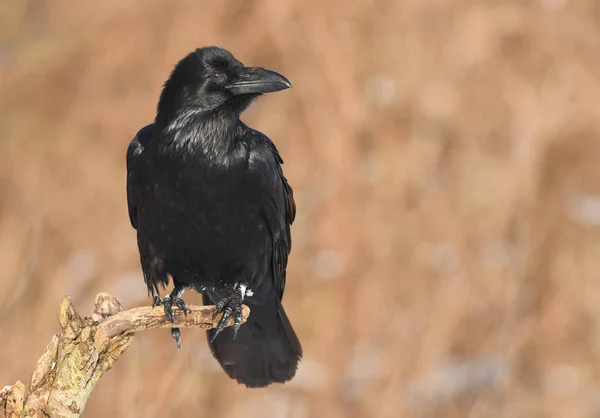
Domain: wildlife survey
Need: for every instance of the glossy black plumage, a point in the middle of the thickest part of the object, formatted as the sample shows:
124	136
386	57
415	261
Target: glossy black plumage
213	210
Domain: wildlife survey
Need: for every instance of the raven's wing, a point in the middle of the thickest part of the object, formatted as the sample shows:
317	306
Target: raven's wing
152	264
280	209
135	169
266	349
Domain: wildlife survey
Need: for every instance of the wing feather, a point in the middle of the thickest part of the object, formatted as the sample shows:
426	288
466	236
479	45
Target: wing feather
280	211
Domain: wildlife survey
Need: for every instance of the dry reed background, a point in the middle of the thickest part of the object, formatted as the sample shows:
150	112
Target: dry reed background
446	161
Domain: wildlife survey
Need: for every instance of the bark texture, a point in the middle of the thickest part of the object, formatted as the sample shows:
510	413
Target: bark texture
76	358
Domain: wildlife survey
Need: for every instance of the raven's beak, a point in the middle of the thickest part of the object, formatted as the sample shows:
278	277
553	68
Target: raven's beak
255	80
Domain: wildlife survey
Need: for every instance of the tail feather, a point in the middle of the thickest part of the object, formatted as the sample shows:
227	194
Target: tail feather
266	349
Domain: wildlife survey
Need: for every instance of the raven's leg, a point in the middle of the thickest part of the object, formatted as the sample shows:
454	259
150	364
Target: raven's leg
174	298
230	306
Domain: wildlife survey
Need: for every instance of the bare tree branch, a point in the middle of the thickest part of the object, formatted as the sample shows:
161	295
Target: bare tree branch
75	359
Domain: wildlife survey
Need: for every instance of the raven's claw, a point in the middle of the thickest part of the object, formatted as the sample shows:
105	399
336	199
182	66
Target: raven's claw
173	299
176	334
230	306
168	303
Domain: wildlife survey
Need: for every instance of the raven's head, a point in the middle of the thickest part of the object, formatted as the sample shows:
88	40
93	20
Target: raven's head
212	79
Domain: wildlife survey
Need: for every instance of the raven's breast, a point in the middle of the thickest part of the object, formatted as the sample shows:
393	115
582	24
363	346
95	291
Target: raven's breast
207	226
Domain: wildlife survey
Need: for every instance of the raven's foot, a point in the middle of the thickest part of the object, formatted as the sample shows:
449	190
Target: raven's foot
230	306
174	298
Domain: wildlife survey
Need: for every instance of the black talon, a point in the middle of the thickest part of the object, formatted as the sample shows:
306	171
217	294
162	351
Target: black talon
168	308
237	321
174	298
230	306
171	299
181	305
219	307
176	334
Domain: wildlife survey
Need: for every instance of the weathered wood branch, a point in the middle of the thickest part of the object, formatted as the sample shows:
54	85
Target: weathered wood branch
77	357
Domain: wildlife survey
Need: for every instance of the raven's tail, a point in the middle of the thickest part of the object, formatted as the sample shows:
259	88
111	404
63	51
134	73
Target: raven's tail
266	349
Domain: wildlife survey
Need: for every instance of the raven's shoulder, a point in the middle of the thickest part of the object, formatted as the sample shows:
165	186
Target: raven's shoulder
260	143
140	142
135	169
263	149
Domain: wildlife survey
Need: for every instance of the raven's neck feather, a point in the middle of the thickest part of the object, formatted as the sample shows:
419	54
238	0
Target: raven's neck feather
212	138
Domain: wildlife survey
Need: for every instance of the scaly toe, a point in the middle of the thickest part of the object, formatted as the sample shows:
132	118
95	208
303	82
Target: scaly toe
168	308
156	301
237	320
181	305
219	307
222	322
231	306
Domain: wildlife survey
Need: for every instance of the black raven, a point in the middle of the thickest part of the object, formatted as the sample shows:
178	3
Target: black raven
213	210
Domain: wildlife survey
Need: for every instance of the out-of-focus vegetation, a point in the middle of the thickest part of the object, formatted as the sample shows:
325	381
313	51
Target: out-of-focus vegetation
445	157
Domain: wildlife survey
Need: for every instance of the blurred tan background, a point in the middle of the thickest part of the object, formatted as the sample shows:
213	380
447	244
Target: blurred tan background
445	157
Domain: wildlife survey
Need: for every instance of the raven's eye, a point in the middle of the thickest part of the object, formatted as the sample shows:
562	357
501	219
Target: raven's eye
218	77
